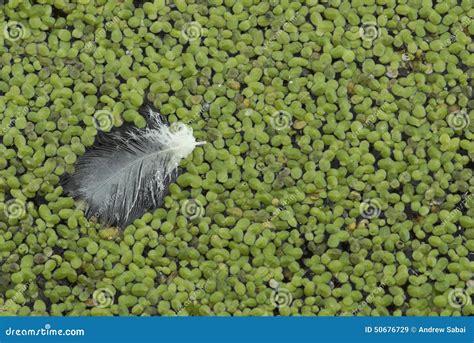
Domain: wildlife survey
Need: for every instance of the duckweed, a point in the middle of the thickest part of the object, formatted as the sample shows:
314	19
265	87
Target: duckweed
337	172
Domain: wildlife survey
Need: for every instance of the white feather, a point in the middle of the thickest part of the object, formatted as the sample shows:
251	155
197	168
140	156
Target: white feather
128	173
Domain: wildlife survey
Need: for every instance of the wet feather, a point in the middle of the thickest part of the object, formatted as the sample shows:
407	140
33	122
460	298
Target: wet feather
128	172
